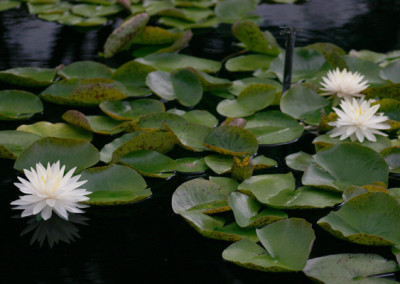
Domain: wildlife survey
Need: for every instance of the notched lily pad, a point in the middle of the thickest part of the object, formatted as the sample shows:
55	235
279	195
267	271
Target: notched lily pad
129	110
187	87
190	136
13	143
28	76
298	161
17	105
85	69
114	184
191	165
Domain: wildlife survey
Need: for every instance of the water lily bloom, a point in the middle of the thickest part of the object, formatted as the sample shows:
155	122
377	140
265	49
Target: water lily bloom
358	120
343	84
49	190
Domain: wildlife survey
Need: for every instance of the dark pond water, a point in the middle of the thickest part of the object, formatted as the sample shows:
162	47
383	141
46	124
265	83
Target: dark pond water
146	242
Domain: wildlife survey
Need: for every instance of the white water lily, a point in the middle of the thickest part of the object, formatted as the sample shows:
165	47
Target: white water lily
48	190
357	120
343	84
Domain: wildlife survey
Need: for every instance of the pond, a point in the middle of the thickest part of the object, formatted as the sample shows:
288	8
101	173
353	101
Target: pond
147	242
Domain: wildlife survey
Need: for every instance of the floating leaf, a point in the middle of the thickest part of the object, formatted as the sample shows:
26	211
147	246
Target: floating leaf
220	164
392	158
201	117
228	11
287	245
210	82
28	76
5	5
90	10
100	124
191	165
247	211
160	83
350	268
114	184
156	121
17	105
249	62
149	163
229	184
58	8
128	110
171	61
368	69
390	107
13	143
200	195
184	25
298	161
86	69
190	136
122	36
372	218
70	152
391	72
60	130
273	127
155	36
390	91
332	53
303	103
231	140
187	87
345	164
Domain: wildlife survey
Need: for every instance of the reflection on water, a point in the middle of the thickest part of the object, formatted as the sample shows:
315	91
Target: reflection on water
55	229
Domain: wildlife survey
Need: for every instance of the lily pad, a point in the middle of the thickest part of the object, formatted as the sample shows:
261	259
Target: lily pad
390	107
46	9
392	158
90	10
213	227
13	143
247	211
274	127
303	103
254	39
60	130
298	161
346	164
287	245
114	184
191	165
201	117
190	136
128	110
149	163
210	82
5	5
171	61
231	140
122	36
372	218
249	62
17	105
86	69
187	87
370	71
155	36
200	195
350	268
220	164
99	124
155	121
228	11
391	72
160	83
185	25
28	76
70	152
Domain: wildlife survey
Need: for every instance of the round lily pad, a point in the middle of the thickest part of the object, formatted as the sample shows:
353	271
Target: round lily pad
28	76
113	185
128	110
200	195
85	69
91	10
13	143
274	127
250	62
220	164
350	268
16	105
70	152
187	87
229	184
60	130
156	121
392	158
190	136
231	140
191	165
287	245
160	83
372	218
201	117
298	161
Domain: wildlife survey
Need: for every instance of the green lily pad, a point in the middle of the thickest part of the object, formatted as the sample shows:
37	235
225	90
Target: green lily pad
303	103
229	184
122	36
190	136
159	141
201	117
185	25
17	105
149	163
213	227
99	124
390	107
28	76
391	72
191	165
332	53
298	161
228	11
114	184
262	162
70	152
274	127
200	195
220	164
128	110
187	87
287	245
154	121
370	71
392	158
247	211
396	252
231	140
210	82
323	141
13	143
254	39
60	130
346	164
372	218
239	85
155	36
84	92
191	14
171	61
249	62
90	10
389	91
368	55
350	268
160	83
232	108
189	3
86	69
48	8
6	5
